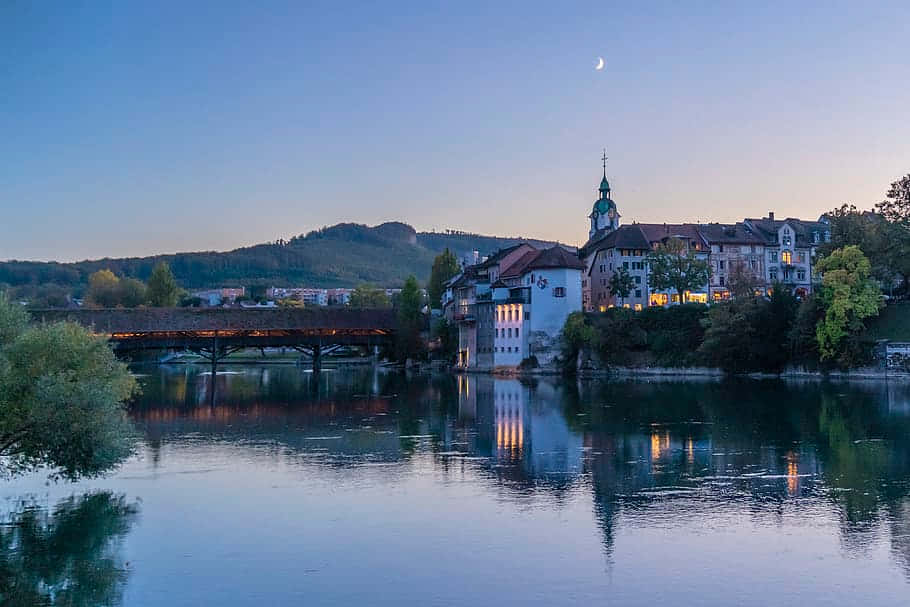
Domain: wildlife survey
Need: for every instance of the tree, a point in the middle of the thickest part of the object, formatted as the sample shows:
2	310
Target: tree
103	289
131	293
621	284
61	399
445	266
848	296
674	266
896	207
368	296
410	321
162	287
742	281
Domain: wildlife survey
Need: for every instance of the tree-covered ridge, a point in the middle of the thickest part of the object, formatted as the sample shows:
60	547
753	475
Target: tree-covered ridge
343	255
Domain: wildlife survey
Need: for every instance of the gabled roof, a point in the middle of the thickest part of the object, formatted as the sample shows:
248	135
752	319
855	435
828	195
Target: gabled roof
729	233
554	257
768	228
659	232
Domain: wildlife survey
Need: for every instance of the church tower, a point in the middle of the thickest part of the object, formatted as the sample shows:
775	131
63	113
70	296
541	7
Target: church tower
604	216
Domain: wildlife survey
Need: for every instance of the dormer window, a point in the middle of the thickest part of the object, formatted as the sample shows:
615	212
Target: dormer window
815	237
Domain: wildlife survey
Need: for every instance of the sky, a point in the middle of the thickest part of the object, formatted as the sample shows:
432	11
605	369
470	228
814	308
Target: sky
131	128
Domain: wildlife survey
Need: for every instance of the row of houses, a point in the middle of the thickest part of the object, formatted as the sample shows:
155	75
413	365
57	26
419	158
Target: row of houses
511	306
766	250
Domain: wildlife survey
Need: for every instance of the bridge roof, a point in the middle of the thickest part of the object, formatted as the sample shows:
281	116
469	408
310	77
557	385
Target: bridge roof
142	320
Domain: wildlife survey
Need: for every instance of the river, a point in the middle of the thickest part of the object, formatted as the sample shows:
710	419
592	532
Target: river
365	487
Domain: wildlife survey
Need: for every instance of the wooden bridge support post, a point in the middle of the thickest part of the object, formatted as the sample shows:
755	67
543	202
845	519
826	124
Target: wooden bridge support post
317	358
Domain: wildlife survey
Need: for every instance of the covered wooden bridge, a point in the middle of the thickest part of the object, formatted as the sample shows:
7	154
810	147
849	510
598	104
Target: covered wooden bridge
217	332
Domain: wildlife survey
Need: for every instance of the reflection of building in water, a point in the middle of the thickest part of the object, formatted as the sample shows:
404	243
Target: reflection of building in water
522	425
509	402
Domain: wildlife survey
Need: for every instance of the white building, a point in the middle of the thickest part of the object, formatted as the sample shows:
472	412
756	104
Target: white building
520	313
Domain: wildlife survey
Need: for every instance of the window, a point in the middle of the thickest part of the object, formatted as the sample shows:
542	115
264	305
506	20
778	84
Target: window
559	291
638	280
815	237
827	236
801	257
516	332
510	331
625	265
772	273
638	307
720	249
637	292
721	281
722	264
801	275
527	316
786	257
773	256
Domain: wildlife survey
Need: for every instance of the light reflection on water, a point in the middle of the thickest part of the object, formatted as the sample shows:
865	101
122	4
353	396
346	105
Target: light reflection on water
365	487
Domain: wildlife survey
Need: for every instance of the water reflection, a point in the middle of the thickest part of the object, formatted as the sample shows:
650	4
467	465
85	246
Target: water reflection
644	449
644	490
65	555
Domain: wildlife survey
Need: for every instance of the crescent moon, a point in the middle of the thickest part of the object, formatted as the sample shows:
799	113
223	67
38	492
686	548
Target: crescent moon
600	63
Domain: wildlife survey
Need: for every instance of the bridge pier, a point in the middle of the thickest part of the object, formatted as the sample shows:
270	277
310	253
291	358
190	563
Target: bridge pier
317	359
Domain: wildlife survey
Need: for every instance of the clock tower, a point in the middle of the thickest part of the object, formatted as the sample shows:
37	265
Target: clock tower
604	216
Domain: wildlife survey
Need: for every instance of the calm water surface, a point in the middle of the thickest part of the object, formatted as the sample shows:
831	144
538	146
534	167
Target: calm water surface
372	488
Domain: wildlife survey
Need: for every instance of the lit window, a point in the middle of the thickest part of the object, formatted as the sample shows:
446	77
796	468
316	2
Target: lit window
638	307
786	257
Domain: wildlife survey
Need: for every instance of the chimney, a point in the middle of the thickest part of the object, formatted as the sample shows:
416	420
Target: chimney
771	215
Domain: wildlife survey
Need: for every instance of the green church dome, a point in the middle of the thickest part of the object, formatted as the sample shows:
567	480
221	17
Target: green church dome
604	185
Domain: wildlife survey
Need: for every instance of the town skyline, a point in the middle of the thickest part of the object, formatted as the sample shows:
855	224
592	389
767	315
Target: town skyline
208	127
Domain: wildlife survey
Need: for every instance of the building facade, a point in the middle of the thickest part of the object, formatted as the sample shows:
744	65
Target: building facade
513	305
754	253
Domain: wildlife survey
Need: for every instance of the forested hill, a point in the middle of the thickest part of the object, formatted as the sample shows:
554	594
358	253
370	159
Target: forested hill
343	255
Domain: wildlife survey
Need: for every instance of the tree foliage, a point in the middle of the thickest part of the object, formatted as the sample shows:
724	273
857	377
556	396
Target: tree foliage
621	284
163	291
410	321
896	206
369	296
750	334
103	289
674	266
61	399
849	296
445	266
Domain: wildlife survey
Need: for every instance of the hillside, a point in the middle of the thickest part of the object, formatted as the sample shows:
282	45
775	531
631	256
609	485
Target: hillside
343	255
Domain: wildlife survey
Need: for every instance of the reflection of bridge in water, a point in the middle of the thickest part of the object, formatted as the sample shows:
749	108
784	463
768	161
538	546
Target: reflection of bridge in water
217	332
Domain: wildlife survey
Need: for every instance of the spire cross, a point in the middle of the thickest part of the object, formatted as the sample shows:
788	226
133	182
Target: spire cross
604	158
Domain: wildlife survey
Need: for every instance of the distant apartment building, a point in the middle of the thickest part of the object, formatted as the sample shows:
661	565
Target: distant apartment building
218	297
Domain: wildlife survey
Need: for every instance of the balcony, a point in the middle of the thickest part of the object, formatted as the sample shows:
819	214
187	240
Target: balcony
465	313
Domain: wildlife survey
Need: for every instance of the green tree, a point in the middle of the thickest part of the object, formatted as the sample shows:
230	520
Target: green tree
131	293
896	206
445	266
103	289
368	296
621	284
848	295
162	287
410	321
674	266
13	320
61	399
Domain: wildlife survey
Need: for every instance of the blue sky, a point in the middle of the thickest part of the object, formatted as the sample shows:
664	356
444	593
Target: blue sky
130	128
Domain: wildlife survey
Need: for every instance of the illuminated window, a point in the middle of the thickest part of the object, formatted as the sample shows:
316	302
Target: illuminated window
786	257
637	307
658	299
